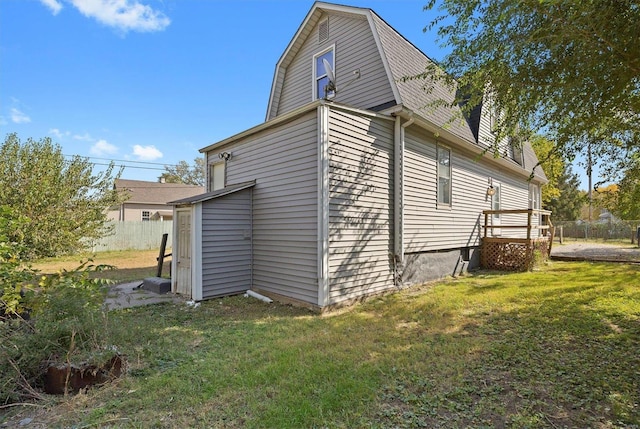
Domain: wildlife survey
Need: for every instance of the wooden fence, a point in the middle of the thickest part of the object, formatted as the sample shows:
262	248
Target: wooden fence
609	230
140	235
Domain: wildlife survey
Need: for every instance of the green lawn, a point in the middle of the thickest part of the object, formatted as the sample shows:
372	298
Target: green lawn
554	348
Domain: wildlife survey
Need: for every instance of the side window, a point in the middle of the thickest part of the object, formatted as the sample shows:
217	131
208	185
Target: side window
496	205
146	215
495	201
321	87
444	176
216	176
534	197
534	203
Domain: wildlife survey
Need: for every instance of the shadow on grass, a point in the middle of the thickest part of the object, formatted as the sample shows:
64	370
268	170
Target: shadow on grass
562	354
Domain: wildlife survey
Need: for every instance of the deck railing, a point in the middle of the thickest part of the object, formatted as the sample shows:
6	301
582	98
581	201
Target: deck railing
518	251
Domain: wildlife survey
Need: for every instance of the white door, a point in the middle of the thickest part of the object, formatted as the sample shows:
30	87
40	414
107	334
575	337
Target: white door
495	205
183	252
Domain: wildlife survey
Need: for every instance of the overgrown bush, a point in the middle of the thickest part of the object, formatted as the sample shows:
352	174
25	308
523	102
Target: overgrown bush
63	200
57	317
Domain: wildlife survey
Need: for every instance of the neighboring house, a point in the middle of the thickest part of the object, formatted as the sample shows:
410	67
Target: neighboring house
148	200
370	189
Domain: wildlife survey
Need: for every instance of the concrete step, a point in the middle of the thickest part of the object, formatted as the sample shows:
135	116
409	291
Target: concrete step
157	285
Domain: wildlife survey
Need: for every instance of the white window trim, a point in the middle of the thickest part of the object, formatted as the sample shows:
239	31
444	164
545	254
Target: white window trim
535	203
210	175
440	204
314	86
495	218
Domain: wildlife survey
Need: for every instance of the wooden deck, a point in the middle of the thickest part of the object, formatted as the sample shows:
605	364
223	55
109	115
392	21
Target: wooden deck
519	251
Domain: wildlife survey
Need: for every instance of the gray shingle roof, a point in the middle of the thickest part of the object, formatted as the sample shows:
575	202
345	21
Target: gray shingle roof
430	99
143	192
229	189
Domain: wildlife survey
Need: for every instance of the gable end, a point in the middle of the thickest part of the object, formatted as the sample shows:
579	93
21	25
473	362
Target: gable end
323	30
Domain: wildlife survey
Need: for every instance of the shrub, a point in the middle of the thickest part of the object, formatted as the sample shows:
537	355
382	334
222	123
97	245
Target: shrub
66	320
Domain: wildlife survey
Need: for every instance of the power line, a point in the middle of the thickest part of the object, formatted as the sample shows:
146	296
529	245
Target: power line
123	160
129	166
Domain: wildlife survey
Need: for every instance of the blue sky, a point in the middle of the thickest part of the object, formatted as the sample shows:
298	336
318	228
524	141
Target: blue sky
152	81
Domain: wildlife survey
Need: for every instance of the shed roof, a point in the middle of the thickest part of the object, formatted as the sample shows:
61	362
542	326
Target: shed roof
143	192
229	189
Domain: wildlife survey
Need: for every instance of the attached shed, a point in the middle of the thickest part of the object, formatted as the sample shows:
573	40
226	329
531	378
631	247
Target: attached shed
213	243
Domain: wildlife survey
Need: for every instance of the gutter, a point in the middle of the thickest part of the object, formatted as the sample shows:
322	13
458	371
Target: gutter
460	143
398	184
265	125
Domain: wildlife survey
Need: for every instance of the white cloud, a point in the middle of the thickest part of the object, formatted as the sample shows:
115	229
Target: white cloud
54	5
58	134
83	137
102	147
123	14
18	117
146	153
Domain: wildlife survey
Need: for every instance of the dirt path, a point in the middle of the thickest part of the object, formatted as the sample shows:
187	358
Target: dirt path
593	251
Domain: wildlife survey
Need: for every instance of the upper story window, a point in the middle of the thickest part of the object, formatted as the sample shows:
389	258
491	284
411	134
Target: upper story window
444	176
216	176
320	76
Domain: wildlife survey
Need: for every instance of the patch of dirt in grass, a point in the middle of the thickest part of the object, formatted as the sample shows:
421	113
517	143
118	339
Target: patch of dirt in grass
130	265
595	251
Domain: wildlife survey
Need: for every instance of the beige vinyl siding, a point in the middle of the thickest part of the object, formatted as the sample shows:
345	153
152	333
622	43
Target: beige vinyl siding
428	227
133	211
226	244
485	134
283	161
486	138
355	48
360	205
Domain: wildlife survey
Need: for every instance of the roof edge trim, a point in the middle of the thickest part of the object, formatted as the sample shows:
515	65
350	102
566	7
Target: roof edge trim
463	144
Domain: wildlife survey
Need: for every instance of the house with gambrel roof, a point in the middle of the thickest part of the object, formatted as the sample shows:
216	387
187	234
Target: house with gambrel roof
358	182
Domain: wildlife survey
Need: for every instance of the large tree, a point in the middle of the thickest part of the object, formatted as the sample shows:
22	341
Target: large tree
552	162
182	172
562	193
569	67
624	200
569	202
62	202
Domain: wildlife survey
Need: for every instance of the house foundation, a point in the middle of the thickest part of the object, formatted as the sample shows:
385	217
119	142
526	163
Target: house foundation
429	266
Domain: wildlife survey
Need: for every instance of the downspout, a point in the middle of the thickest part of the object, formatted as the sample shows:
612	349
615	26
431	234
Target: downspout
323	206
398	183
